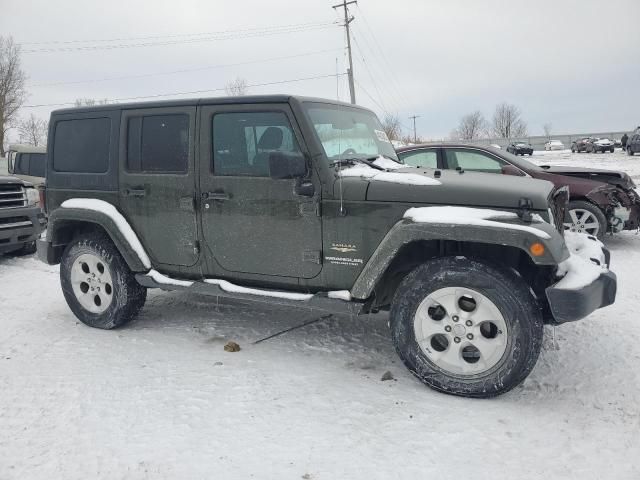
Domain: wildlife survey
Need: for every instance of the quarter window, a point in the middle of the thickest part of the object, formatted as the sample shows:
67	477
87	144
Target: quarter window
243	142
158	144
473	161
82	145
420	158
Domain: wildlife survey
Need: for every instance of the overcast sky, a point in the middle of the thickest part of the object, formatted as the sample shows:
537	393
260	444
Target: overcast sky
575	64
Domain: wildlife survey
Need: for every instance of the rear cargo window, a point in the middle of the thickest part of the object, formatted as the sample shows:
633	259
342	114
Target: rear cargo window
158	144
82	145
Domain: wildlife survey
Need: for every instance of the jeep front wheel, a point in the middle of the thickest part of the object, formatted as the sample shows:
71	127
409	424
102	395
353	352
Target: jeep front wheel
465	327
97	283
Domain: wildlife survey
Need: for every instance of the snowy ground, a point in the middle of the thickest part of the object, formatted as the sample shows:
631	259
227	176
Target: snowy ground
162	399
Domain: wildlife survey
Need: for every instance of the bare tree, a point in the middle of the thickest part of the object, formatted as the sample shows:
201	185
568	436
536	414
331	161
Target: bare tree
12	86
237	87
33	130
471	127
507	122
391	126
547	127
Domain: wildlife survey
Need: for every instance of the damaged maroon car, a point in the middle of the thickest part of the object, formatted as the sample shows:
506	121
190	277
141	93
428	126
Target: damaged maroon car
600	200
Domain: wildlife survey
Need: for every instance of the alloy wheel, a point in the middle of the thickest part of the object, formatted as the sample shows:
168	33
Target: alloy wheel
91	282
461	331
582	221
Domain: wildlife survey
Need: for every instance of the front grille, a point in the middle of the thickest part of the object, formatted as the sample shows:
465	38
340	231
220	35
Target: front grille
558	205
14	222
12	195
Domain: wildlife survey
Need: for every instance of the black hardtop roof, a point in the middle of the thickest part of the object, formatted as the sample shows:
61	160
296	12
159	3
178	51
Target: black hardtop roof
237	100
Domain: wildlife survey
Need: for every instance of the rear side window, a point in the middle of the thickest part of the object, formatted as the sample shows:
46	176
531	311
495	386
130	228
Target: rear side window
158	144
37	164
82	145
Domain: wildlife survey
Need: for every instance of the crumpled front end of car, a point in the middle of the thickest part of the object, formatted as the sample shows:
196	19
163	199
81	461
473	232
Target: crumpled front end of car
621	206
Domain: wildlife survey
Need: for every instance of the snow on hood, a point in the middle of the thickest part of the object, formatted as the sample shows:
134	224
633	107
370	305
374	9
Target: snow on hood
367	172
470	216
579	270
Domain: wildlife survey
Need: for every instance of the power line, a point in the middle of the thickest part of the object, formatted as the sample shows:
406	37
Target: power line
389	67
124	99
214	37
187	70
176	35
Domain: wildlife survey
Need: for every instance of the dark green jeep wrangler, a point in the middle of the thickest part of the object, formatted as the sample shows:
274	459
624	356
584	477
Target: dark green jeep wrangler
303	201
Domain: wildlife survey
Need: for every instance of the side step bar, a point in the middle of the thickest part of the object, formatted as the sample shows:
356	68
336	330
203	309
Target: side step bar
319	301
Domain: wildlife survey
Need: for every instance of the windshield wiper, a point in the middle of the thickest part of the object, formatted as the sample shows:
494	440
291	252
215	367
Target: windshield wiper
354	160
385	156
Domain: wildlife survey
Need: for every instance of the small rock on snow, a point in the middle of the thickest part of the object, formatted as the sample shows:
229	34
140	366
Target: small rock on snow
232	347
387	376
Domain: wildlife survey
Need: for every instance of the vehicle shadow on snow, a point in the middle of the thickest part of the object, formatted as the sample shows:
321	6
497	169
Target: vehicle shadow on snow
358	342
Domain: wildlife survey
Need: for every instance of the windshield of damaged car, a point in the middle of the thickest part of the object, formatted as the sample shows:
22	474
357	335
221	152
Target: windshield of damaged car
347	132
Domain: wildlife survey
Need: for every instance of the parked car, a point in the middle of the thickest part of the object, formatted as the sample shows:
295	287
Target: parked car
578	146
303	202
27	163
601	145
494	145
520	148
21	220
600	200
554	145
633	143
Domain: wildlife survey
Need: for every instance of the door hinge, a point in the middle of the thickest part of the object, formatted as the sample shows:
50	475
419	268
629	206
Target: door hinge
196	247
311	256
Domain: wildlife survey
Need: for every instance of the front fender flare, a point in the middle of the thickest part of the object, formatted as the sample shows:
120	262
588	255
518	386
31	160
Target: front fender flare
62	216
407	231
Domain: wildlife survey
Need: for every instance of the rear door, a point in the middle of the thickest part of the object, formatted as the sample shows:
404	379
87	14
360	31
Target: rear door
157	181
252	223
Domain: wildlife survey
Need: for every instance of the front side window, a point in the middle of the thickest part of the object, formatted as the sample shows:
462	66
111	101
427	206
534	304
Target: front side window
82	145
22	164
158	144
420	158
473	161
347	132
37	164
244	142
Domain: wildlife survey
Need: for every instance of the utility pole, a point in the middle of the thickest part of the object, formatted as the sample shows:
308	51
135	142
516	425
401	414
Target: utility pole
347	20
415	137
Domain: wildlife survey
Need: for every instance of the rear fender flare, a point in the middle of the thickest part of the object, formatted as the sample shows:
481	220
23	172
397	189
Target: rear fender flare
60	218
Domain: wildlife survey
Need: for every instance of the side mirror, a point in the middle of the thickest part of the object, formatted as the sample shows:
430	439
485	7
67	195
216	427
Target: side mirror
511	170
287	165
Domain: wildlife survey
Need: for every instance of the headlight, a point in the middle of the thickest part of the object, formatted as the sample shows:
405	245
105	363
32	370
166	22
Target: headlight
33	197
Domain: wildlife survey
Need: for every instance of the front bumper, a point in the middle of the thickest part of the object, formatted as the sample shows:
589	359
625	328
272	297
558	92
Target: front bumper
571	305
19	226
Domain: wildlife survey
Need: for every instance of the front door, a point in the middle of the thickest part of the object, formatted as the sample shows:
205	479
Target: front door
251	223
157	181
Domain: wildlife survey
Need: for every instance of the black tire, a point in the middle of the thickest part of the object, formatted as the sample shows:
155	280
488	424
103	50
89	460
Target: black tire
595	210
128	296
505	289
629	152
611	150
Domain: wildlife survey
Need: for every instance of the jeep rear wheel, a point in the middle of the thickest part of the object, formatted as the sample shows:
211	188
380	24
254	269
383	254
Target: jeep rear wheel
465	327
97	283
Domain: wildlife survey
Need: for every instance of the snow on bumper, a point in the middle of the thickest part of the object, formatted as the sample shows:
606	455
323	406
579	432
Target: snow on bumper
587	283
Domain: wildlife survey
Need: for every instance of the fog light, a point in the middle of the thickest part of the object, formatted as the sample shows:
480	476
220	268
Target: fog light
537	249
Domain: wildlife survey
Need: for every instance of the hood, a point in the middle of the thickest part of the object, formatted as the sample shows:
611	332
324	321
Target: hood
8	179
420	185
611	177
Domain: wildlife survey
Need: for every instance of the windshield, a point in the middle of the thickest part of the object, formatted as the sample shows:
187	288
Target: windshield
349	132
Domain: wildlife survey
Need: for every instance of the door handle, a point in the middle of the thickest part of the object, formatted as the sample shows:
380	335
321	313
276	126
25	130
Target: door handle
135	192
216	196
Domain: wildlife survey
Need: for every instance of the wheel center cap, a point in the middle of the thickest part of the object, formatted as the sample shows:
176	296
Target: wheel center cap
459	330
